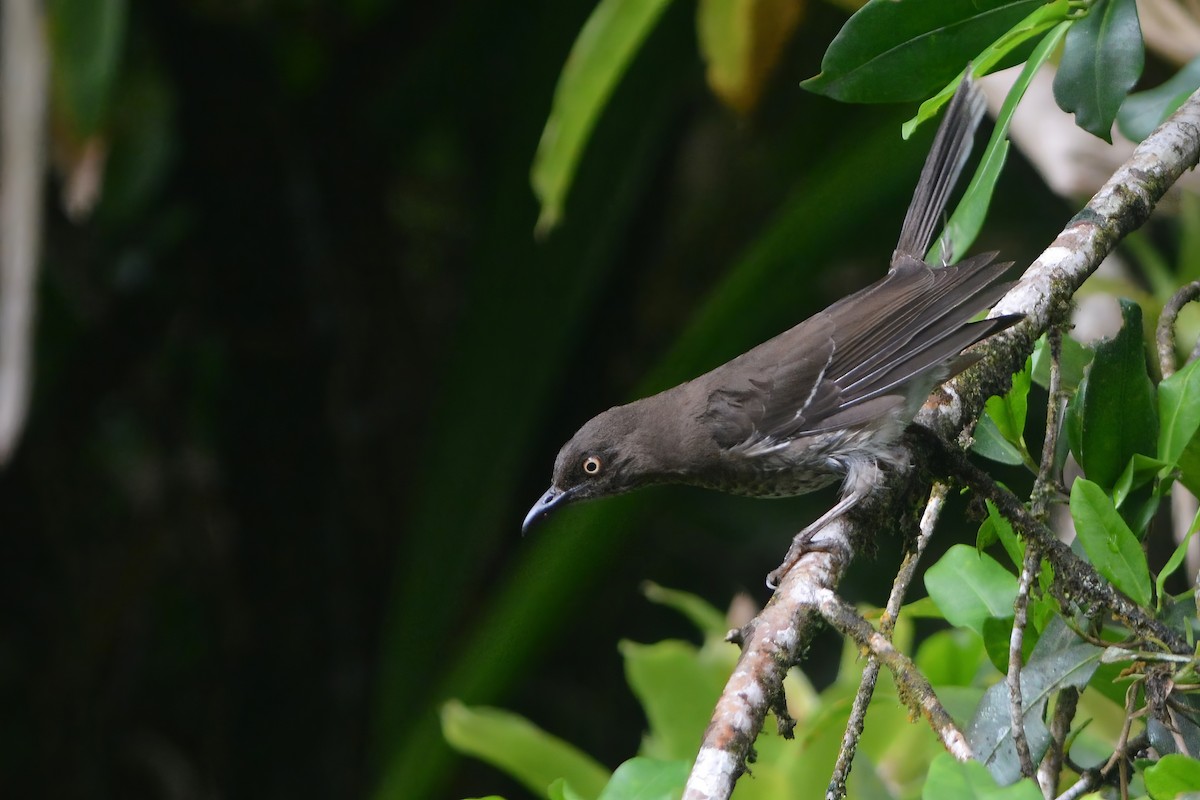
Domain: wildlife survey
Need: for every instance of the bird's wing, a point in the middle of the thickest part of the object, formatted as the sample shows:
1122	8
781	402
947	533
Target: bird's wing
858	358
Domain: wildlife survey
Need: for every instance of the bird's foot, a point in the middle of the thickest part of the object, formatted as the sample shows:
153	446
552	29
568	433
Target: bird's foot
803	543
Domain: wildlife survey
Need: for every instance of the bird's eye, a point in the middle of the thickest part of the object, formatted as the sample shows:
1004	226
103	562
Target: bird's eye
591	465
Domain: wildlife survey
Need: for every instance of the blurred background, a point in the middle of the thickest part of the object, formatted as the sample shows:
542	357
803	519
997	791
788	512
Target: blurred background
301	365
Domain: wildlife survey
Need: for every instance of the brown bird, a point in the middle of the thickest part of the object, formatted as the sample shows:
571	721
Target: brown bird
826	400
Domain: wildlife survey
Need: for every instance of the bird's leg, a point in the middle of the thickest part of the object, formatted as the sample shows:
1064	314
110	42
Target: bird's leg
862	476
803	542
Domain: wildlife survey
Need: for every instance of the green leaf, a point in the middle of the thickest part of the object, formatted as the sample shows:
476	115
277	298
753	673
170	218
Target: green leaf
1137	473
970	587
86	40
1114	411
603	51
1176	559
1172	776
1003	531
708	620
515	745
1111	547
561	790
894	52
1142	112
990	443
923	608
968	216
997	631
950	658
1101	62
1041	20
647	779
1009	410
1073	362
1059	660
1179	412
677	688
1189	467
964	780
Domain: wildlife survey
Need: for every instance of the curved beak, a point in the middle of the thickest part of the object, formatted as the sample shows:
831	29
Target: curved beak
552	499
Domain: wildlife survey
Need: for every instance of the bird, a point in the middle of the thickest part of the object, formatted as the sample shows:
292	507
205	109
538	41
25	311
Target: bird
826	400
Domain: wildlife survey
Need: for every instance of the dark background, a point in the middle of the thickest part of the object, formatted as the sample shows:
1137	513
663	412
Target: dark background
302	372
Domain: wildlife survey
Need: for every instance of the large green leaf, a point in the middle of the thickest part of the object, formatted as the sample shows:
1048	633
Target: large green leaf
1111	547
86	41
893	52
1101	62
606	45
1178	411
677	685
1042	19
512	743
1059	660
1174	775
647	779
1114	413
970	780
950	658
970	587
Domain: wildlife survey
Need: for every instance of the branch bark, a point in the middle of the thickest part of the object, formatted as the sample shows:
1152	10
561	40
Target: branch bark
771	641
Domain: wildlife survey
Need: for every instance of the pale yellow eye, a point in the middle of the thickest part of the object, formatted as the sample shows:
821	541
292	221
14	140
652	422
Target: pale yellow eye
591	465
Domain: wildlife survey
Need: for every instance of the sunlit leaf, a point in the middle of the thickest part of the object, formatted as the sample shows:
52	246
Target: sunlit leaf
647	779
970	587
967	220
1172	776
512	743
677	689
970	780
740	41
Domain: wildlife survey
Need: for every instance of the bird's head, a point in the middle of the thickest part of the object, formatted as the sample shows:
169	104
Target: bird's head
601	459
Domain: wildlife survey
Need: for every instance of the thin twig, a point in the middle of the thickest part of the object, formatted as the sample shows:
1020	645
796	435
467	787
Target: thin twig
866	687
1015	640
913	686
1165	333
1060	728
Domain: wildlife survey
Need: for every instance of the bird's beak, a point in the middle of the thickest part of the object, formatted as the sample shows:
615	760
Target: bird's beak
552	499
